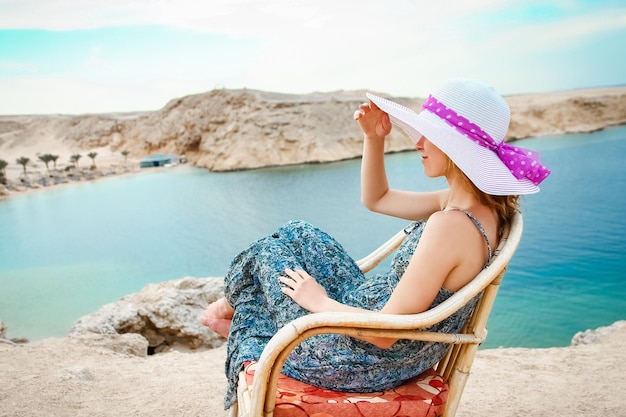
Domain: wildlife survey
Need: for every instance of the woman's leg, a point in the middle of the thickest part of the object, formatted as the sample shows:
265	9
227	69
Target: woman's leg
297	244
322	257
253	288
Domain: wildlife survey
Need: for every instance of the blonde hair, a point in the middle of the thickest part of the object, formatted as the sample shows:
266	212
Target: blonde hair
505	206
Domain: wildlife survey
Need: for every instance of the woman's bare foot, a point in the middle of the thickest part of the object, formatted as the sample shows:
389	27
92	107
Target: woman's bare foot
219	309
218	317
219	326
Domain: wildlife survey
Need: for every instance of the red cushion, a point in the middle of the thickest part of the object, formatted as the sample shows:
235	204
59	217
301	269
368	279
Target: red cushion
424	395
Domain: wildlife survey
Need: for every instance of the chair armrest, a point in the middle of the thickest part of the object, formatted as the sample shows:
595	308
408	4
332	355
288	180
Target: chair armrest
370	261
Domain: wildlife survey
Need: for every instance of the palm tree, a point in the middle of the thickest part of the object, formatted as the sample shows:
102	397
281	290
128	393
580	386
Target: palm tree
92	155
125	154
3	174
74	159
46	158
23	161
54	158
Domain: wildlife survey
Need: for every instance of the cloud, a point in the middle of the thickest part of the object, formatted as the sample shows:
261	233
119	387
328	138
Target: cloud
17	67
232	16
400	47
228	16
71	96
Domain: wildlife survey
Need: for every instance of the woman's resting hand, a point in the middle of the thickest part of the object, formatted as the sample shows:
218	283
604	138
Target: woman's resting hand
304	290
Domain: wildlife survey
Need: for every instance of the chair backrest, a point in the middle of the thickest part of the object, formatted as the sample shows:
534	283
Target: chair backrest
455	366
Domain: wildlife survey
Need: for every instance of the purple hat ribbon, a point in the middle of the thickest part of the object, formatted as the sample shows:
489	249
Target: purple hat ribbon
523	163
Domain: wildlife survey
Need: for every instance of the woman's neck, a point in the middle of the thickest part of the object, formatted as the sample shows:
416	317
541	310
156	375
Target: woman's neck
460	197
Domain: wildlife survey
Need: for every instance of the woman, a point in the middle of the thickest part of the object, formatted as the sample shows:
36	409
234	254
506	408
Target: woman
460	134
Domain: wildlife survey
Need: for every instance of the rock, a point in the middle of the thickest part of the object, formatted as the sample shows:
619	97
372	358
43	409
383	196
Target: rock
225	130
591	336
76	372
164	314
579	111
14	340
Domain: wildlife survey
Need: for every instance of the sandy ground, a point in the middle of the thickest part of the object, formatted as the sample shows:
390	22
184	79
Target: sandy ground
104	159
108	165
61	377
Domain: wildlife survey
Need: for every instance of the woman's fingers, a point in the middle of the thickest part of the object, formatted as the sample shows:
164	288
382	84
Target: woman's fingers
303	289
296	275
365	108
373	105
293	278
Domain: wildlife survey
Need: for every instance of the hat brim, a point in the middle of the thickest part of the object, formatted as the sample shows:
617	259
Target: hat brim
480	164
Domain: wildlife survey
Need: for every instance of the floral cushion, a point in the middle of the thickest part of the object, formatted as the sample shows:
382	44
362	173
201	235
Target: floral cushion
424	395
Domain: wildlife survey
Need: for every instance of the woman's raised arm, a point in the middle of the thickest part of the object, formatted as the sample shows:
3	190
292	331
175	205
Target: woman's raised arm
375	192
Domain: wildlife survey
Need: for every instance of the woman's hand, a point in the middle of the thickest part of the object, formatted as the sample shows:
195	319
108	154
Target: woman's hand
304	290
374	122
311	296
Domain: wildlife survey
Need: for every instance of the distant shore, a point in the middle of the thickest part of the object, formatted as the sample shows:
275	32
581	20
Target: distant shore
56	180
226	130
38	179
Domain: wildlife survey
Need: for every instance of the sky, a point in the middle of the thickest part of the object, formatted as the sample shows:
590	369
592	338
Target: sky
86	56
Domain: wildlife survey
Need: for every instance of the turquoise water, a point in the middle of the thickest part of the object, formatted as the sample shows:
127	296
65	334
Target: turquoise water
67	251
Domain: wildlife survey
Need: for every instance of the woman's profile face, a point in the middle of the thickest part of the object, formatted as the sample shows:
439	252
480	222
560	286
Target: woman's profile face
434	160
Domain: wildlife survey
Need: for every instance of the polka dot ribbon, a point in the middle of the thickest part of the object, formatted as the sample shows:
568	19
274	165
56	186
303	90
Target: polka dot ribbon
523	163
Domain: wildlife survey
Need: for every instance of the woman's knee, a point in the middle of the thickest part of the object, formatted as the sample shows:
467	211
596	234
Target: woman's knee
294	228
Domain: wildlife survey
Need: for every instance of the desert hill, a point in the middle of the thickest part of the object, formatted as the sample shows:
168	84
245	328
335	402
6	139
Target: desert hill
224	130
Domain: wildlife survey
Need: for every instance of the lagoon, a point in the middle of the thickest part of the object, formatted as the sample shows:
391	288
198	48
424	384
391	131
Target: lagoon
65	252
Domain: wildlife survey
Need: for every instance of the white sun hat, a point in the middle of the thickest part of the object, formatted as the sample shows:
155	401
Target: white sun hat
468	121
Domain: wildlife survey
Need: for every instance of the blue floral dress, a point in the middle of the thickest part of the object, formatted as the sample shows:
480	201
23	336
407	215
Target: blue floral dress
336	362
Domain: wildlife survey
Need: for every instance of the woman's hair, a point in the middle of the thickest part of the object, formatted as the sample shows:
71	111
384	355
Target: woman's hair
505	206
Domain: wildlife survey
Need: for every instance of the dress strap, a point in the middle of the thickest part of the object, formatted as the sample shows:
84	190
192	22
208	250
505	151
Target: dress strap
411	227
481	229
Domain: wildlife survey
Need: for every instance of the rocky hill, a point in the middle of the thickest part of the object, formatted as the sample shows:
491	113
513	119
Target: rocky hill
224	130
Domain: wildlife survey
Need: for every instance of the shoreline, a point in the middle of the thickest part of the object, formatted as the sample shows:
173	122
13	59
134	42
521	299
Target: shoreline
107	170
32	190
232	130
112	168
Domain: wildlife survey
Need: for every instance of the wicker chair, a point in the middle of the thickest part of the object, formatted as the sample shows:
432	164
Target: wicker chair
258	398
